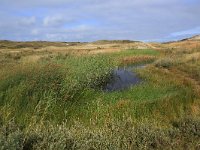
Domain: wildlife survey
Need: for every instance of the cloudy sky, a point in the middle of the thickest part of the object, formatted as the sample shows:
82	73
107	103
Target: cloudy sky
90	20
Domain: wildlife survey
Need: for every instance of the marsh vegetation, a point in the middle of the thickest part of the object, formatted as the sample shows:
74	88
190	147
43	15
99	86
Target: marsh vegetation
56	101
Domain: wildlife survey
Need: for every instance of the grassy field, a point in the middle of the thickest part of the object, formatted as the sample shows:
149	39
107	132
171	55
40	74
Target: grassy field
56	101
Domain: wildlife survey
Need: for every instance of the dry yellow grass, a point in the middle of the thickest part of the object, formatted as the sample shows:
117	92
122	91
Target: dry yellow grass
31	58
136	59
192	57
183	45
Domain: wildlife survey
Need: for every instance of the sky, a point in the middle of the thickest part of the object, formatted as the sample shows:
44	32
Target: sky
91	20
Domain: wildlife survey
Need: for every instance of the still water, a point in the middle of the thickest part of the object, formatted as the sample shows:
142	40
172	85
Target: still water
123	78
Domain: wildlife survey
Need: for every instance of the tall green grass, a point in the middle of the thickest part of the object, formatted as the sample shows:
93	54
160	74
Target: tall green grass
69	86
44	90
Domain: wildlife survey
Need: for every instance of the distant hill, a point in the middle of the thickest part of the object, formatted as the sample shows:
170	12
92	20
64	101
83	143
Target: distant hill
33	44
194	38
187	42
114	41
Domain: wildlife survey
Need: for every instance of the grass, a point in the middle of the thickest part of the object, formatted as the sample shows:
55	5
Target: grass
57	103
134	52
183	134
47	87
148	96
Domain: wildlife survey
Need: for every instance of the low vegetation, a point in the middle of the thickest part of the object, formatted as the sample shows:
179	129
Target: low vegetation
183	134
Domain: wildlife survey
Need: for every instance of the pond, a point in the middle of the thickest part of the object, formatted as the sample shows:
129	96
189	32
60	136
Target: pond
123	78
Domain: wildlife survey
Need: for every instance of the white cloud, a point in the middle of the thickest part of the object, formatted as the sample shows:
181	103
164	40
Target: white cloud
26	21
56	20
35	32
